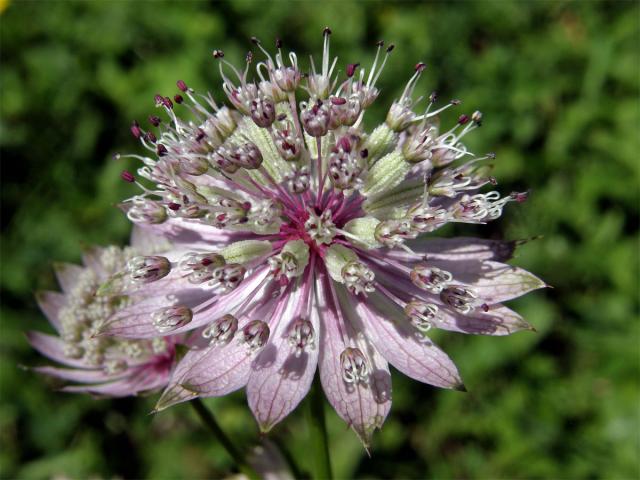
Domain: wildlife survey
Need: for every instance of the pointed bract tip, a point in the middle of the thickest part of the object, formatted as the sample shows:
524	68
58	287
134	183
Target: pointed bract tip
460	387
265	427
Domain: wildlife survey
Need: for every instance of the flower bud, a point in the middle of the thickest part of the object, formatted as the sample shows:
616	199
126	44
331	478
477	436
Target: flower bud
171	318
148	269
315	119
247	156
400	116
354	366
301	336
146	211
421	314
358	278
222	330
193	164
287	78
255	334
263	112
431	279
459	298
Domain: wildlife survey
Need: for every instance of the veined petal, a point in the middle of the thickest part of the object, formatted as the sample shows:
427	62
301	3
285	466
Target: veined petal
91	258
180	231
147	241
461	249
141	382
363	405
135	321
494	282
52	347
79	375
498	320
212	372
387	173
280	375
402	345
67	275
50	303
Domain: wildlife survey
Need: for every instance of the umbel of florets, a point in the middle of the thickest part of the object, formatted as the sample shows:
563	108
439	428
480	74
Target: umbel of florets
301	241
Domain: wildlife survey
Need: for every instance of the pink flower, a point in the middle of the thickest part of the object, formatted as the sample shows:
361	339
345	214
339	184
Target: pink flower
101	365
298	240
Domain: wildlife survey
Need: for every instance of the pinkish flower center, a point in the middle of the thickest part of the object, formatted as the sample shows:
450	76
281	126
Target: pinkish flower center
318	222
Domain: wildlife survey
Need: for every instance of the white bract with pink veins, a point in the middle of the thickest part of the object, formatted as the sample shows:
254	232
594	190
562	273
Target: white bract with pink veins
297	238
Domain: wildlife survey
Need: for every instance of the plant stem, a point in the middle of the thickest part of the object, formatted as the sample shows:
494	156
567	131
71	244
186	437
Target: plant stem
318	432
209	420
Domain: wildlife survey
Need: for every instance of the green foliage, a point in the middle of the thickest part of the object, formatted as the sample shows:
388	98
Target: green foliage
558	84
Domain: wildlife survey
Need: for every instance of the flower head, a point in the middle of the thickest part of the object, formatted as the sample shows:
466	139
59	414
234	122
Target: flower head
297	238
103	365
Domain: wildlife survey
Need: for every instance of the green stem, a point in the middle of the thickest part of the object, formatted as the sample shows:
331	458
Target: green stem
209	420
318	431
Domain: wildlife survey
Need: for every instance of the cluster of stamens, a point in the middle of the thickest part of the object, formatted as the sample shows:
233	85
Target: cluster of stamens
291	163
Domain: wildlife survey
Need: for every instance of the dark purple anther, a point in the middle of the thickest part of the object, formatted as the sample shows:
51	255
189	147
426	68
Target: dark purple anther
135	129
462	119
326	31
150	137
278	43
364	153
162	150
174	206
420	67
255	40
433	97
127	176
455	101
390	48
379	43
155	121
181	85
485	307
338	100
520	196
178	99
166	101
344	144
249	57
351	69
218	54
206	262
159	99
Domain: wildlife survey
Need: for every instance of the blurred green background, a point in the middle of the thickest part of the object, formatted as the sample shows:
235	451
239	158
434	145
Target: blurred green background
558	84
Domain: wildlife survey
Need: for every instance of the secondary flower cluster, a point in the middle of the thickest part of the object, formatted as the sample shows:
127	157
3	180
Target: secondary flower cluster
101	365
296	245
